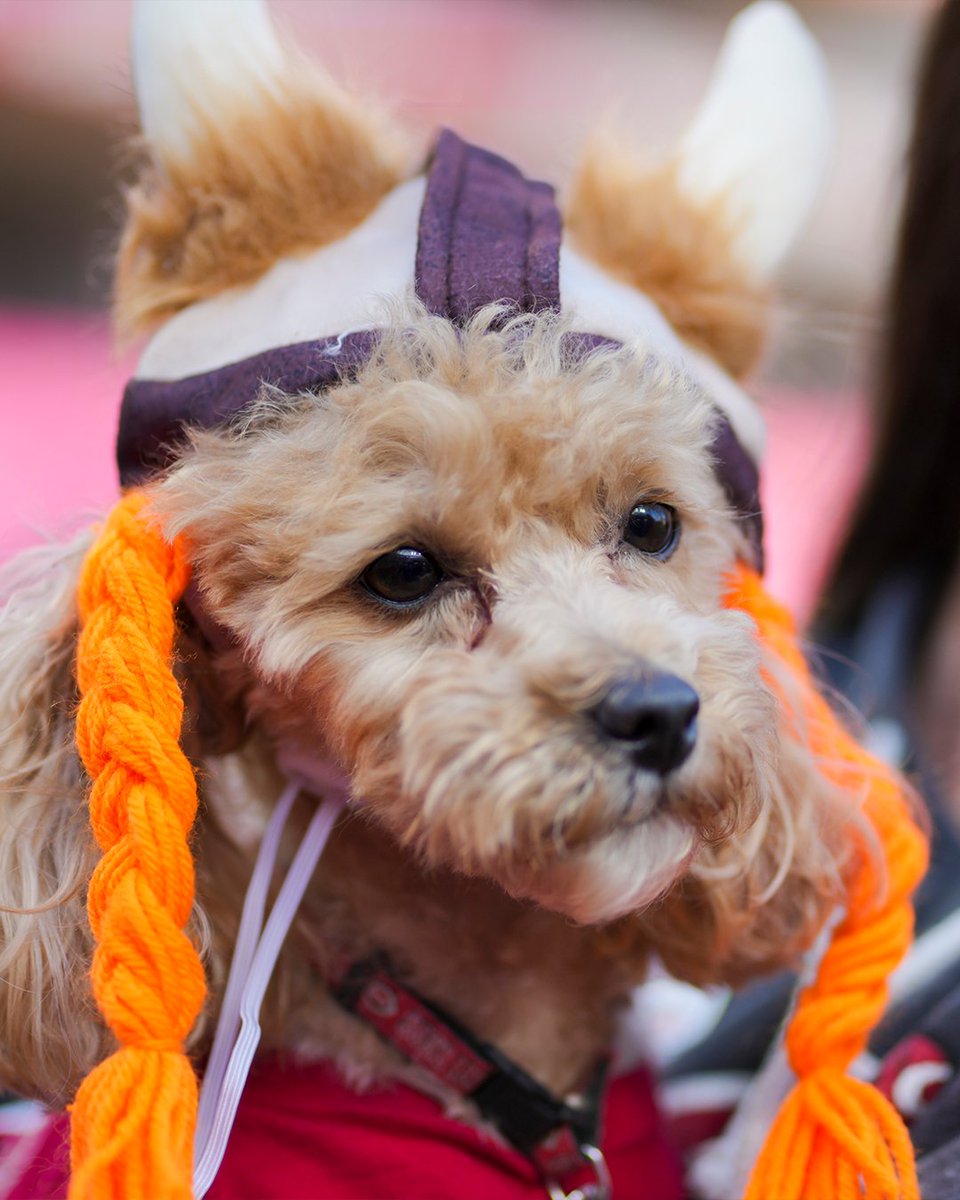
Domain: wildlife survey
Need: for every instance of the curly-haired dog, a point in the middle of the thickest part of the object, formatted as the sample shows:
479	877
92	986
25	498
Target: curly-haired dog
458	550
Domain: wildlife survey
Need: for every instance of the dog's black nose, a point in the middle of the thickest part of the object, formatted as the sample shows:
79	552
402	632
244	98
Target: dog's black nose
655	716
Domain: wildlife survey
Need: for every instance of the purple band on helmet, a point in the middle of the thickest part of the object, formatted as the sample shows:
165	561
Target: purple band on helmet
155	414
486	234
740	480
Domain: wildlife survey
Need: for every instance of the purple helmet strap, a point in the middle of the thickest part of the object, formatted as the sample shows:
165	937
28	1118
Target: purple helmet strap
156	413
487	234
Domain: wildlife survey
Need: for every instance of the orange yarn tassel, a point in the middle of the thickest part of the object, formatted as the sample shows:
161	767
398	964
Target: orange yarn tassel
134	1115
835	1137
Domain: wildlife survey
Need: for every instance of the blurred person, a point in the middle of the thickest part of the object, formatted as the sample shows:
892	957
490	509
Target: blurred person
902	550
893	601
889	626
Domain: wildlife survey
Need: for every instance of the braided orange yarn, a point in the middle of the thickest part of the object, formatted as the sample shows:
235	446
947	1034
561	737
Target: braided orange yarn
835	1137
134	1115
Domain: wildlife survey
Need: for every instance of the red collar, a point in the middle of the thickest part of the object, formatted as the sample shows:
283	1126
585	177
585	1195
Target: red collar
559	1136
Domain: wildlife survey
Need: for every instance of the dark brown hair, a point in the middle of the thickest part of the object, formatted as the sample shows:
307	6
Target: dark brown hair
908	515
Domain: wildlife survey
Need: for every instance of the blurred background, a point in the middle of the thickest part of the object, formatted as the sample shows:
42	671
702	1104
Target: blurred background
526	77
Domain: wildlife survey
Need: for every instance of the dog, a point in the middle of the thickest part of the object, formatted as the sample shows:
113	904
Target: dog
465	559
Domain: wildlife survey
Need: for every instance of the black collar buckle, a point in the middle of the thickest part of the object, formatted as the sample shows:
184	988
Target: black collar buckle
586	1179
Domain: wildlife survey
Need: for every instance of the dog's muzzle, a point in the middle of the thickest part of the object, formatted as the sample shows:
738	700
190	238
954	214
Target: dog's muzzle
654	718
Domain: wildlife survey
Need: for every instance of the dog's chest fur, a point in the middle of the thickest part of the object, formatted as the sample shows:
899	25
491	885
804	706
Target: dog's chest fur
544	991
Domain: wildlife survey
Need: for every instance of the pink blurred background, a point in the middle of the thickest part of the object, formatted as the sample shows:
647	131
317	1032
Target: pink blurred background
527	77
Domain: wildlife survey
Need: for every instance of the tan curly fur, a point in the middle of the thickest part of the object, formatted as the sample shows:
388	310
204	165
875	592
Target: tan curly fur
635	221
487	803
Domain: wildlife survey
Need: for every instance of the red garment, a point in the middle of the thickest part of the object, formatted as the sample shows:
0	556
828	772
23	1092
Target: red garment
302	1134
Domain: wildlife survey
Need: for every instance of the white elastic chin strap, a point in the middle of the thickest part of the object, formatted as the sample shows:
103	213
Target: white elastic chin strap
254	957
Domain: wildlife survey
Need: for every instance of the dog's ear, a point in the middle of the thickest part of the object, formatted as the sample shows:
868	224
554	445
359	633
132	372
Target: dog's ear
756	903
214	680
703	233
51	1034
252	153
49	1030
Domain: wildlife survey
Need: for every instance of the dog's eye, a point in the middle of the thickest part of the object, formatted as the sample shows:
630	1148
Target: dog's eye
653	528
402	576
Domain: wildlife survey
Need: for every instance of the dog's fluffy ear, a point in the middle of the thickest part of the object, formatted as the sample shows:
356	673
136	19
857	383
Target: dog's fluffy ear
49	1032
253	153
703	233
756	902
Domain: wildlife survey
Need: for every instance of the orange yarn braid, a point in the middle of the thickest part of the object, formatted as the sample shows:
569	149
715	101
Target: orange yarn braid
134	1115
835	1137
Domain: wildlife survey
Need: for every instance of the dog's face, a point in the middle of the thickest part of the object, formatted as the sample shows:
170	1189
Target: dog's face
484	578
489	584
